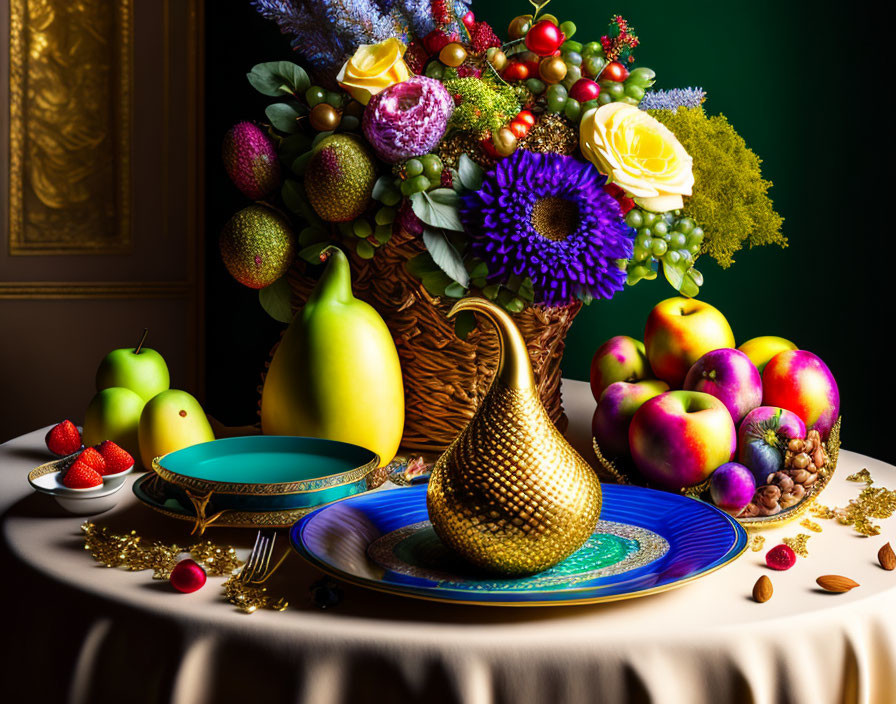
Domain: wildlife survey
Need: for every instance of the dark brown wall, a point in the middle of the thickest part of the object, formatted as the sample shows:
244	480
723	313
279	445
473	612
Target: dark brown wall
78	279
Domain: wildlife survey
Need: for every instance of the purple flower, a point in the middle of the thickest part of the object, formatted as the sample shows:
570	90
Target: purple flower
407	119
547	217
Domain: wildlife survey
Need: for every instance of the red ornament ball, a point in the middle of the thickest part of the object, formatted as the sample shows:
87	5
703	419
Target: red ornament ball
780	557
468	19
187	576
584	90
544	38
614	71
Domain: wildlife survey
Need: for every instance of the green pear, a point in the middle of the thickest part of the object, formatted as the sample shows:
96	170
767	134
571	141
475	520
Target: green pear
171	421
114	414
140	369
336	372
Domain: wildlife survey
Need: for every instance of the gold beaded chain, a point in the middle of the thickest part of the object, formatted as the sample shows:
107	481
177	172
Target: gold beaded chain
129	551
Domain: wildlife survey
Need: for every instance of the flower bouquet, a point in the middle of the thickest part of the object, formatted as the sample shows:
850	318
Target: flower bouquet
541	172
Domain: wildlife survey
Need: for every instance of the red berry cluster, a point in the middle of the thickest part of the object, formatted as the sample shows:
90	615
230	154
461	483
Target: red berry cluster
440	13
437	39
620	40
482	37
416	57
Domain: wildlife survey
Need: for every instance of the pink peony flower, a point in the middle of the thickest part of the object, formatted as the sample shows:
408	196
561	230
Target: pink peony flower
407	119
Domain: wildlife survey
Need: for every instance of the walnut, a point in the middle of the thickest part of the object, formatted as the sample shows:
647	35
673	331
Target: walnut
782	480
767	496
750	511
792	497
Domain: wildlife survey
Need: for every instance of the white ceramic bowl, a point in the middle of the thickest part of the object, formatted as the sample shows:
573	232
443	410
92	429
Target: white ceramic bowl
47	479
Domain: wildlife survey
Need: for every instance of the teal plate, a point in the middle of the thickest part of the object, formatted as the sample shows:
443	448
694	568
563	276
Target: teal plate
265	473
646	542
166	499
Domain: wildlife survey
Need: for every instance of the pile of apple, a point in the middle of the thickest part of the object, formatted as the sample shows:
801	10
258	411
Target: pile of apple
135	409
682	405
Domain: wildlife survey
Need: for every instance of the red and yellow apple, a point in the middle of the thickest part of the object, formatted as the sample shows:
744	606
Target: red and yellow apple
615	410
800	382
678	438
761	349
680	331
620	358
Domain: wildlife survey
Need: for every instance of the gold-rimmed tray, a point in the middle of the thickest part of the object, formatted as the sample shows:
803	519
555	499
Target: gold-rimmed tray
609	470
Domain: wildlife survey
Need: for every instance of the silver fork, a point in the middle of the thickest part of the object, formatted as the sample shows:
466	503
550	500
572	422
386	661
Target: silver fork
258	567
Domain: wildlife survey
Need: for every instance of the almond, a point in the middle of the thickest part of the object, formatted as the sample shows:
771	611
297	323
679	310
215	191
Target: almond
836	583
886	557
763	590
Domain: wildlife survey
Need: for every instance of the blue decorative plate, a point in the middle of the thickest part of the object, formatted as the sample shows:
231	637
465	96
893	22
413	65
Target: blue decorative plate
646	542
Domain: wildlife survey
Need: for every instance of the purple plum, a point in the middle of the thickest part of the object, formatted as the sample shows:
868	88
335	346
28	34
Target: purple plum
731	377
762	439
731	487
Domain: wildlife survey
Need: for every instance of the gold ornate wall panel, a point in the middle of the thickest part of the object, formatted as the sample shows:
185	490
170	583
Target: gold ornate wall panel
70	121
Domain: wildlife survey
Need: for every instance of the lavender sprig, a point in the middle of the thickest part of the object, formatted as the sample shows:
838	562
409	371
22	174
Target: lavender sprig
673	99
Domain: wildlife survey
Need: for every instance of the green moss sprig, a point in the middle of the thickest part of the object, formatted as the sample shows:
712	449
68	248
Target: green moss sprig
730	198
482	106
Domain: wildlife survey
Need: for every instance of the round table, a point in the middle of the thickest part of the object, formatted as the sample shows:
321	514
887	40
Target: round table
79	632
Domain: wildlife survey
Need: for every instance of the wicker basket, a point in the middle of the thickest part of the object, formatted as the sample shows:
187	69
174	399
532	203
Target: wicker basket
445	378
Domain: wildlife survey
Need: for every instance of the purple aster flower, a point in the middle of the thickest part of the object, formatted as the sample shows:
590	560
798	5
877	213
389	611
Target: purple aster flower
546	216
407	119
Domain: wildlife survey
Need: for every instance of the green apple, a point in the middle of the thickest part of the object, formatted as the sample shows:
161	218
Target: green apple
171	421
140	369
114	414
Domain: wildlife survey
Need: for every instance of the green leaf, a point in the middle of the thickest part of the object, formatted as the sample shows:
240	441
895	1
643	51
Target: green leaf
277	78
527	290
384	184
313	235
301	163
283	116
491	291
674	273
689	288
296	200
436	283
275	300
469	173
455	290
464	323
321	136
311	253
292	146
438	208
445	256
421	265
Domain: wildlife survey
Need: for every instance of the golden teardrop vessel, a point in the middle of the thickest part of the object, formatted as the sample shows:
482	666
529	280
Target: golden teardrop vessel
510	494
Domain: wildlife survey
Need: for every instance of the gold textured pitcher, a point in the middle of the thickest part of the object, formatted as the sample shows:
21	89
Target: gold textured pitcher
510	494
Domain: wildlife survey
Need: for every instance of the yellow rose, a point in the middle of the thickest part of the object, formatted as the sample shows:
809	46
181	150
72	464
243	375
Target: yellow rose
373	68
639	154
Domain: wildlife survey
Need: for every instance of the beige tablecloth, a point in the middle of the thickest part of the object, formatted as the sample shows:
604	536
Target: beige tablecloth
75	631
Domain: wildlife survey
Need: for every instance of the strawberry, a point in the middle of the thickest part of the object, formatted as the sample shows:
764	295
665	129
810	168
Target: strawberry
117	459
93	459
63	439
81	476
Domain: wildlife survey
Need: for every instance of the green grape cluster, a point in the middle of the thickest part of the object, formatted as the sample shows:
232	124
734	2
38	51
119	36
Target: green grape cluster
670	238
315	95
371	232
630	91
414	176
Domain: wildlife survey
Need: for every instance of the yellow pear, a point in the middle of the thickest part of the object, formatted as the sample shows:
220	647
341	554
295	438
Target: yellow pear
336	373
171	420
510	494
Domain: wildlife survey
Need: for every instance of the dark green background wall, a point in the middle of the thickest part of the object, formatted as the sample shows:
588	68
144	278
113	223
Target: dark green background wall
777	71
